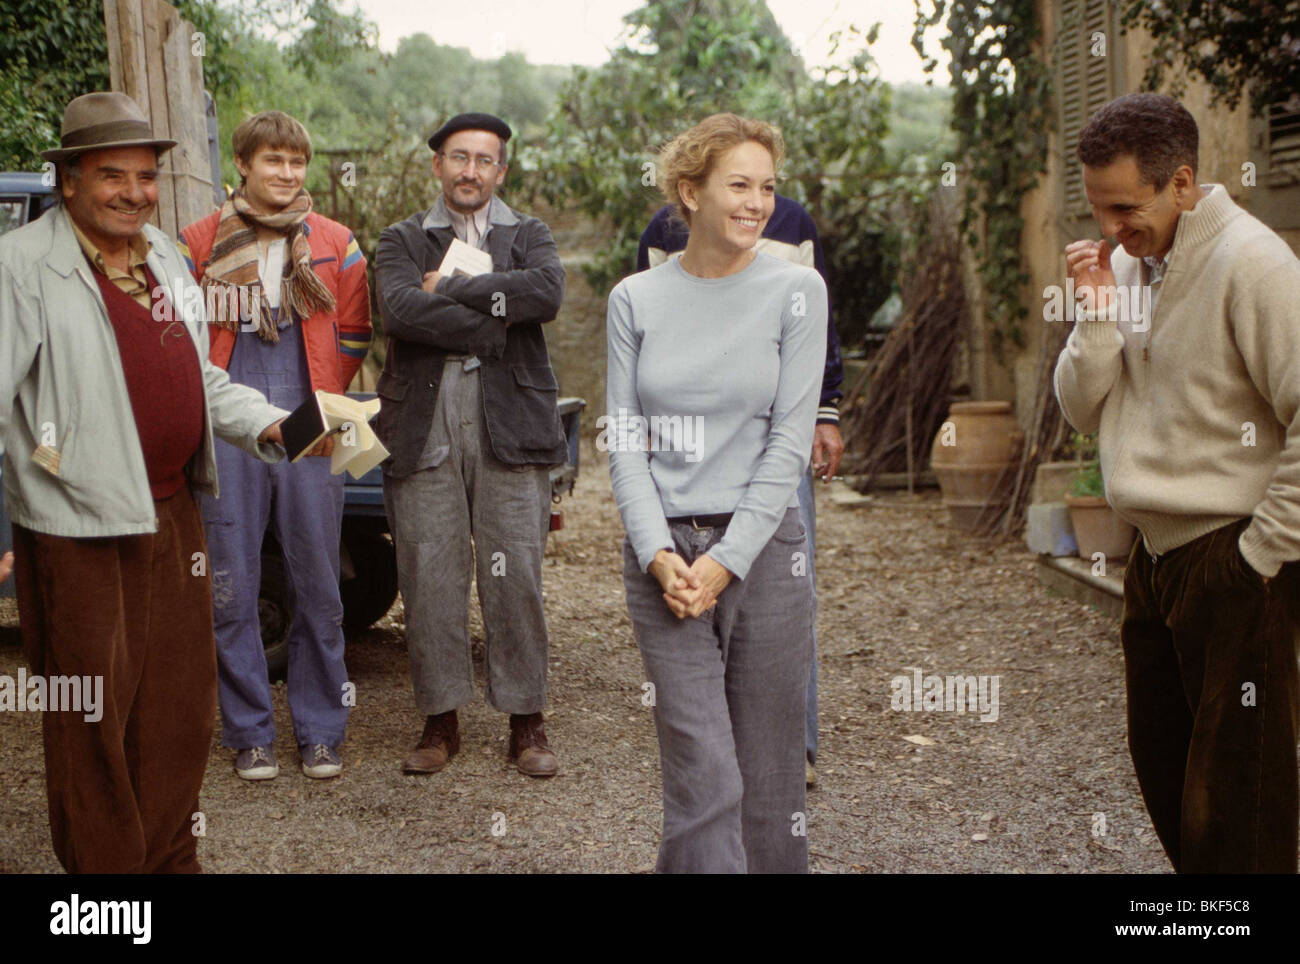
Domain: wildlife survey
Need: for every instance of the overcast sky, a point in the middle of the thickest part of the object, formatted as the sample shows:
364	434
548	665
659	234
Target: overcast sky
584	31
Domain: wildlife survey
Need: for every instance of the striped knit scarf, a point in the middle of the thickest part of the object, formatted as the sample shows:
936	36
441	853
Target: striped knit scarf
233	266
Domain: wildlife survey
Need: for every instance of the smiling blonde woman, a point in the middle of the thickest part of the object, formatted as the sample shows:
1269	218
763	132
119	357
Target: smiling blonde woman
731	342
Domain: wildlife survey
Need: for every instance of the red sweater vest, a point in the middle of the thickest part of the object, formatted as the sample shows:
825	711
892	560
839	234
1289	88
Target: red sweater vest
163	380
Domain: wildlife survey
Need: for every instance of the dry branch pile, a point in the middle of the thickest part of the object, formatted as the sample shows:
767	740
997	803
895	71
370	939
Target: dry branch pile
1045	433
908	383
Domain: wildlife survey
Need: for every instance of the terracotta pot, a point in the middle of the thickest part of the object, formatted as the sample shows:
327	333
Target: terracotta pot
974	457
1098	529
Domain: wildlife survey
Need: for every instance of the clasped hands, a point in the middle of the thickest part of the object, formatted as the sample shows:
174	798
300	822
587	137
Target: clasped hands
689	590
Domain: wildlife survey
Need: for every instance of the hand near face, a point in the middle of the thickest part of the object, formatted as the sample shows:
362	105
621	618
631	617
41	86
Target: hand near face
1088	263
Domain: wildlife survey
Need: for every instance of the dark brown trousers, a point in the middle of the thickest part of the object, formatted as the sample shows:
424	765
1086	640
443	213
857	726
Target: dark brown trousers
136	610
1213	704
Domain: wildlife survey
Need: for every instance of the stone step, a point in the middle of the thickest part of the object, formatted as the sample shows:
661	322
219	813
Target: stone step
1074	578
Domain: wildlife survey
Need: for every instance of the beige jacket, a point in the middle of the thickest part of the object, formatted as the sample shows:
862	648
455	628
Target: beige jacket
72	459
1198	416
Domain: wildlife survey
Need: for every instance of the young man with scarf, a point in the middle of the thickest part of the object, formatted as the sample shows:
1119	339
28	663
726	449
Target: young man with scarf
298	281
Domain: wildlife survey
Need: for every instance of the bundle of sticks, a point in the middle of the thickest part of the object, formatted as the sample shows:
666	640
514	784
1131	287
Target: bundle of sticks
1045	433
1004	512
908	383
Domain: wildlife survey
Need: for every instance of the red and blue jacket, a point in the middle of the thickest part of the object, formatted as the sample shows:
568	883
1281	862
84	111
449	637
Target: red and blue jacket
336	341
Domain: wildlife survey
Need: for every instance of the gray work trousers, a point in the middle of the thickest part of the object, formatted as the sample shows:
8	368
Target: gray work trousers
729	691
464	492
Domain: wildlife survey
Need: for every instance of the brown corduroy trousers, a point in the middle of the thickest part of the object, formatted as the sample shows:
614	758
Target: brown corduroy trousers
1213	704
136	610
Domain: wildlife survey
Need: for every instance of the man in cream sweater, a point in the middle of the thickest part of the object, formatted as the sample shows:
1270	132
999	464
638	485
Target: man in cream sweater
1192	380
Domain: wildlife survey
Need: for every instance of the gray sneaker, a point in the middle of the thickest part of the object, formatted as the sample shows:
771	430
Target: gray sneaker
257	763
320	762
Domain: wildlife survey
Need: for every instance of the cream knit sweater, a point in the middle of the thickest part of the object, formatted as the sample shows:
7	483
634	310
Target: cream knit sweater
1198	416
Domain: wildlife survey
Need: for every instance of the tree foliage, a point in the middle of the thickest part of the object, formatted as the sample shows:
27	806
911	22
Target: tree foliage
53	52
918	123
1231	44
678	59
49	53
311	58
681	60
1001	91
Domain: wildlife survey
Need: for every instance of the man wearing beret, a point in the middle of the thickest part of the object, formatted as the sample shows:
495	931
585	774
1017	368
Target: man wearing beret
469	415
108	409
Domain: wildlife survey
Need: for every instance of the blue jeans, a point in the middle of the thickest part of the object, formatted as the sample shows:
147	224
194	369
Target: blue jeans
808	513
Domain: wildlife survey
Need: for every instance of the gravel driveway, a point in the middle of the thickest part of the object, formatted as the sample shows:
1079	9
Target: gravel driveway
900	791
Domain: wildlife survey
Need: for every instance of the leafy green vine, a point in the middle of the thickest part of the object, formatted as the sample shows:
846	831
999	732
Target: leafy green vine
1234	46
1001	113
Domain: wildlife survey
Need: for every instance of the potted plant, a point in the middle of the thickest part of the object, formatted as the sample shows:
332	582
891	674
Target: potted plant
1052	478
1096	526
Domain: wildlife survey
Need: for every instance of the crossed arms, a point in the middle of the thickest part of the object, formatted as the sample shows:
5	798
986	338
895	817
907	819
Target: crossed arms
463	314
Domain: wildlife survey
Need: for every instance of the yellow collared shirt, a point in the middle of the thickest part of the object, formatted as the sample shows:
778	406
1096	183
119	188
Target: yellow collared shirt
133	282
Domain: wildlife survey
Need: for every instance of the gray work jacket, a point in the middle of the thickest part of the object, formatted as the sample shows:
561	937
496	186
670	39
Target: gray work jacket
497	316
73	465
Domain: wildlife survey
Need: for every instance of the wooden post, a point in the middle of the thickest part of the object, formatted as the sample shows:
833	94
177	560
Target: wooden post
911	392
155	59
112	30
157	111
129	23
186	119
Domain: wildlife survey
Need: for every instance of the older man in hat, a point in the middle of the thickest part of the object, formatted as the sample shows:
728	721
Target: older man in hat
469	415
108	407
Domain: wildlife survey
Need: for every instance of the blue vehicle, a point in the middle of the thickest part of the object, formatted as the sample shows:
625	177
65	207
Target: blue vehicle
368	564
23	198
367	560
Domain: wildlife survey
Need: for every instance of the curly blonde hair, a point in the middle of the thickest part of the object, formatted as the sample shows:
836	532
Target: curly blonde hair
691	156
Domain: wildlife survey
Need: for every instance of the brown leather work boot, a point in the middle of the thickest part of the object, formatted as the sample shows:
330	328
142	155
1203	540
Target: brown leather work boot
439	744
529	750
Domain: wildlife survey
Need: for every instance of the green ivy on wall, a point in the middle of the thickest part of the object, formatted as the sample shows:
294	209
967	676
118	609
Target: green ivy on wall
1001	114
1233	45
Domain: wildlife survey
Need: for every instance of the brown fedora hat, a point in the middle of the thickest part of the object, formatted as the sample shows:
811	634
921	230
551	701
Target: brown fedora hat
103	119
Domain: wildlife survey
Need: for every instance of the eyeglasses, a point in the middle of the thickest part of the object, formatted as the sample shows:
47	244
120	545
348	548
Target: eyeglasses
459	159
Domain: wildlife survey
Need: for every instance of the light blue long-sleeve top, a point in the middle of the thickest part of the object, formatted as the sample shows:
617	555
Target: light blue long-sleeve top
712	388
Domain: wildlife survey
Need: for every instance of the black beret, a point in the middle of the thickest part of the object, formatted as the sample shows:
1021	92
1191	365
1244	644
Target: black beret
470	122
